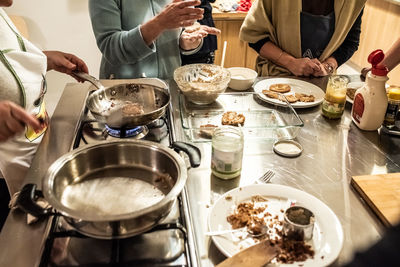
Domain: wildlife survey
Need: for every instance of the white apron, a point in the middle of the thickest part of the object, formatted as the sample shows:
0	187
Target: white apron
26	65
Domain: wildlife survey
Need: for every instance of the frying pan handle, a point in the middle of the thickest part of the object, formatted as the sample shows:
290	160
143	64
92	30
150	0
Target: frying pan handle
26	201
89	78
192	151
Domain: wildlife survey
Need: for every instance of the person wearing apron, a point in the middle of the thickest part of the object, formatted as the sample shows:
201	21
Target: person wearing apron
302	37
23	116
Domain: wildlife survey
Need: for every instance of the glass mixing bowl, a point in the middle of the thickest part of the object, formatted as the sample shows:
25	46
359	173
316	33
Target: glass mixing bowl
202	83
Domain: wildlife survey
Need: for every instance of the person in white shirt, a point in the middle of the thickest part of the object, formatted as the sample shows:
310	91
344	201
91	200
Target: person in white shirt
23	116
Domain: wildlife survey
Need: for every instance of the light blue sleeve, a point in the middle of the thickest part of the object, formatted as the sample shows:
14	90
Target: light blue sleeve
117	46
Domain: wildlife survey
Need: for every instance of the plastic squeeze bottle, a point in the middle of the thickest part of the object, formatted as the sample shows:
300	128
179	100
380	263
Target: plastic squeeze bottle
370	101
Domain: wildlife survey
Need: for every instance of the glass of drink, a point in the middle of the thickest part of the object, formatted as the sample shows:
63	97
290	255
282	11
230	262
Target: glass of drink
335	97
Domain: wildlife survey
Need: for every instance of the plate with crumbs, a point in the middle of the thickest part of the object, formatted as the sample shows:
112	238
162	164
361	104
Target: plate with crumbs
300	94
327	240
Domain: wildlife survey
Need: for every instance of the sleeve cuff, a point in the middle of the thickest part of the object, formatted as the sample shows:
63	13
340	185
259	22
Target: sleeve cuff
137	43
193	51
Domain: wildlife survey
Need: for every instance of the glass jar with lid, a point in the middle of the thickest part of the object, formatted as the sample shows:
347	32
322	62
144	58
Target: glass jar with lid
227	152
335	97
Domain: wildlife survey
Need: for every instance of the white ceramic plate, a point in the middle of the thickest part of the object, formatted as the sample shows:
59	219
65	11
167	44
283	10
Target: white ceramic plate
327	239
297	86
355	85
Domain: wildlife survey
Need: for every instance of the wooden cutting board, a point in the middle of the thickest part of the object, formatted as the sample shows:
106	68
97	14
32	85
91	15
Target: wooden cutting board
255	256
382	193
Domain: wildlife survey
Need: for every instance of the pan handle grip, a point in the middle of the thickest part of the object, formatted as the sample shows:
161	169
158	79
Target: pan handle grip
192	151
26	201
89	78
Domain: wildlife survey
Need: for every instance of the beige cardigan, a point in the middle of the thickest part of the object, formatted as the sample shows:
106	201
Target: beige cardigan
279	20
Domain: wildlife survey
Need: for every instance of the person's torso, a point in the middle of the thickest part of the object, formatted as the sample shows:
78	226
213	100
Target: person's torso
22	70
316	32
166	59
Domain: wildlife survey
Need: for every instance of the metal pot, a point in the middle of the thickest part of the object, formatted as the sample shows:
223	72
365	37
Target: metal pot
111	105
112	189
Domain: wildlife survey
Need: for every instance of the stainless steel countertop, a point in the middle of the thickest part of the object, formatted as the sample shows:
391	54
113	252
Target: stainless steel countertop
334	151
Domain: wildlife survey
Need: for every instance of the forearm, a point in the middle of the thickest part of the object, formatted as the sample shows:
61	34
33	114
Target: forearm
272	52
117	45
151	30
392	58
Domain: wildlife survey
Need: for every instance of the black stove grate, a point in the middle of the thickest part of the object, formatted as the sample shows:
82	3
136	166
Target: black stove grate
158	130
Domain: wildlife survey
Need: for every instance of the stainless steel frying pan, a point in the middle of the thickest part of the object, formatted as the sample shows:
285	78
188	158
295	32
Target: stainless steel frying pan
126	105
112	189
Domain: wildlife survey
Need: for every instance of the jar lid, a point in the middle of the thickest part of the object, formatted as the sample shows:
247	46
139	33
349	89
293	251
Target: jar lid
394	94
288	148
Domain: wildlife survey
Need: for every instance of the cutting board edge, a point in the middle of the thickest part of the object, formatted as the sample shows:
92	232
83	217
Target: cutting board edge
370	203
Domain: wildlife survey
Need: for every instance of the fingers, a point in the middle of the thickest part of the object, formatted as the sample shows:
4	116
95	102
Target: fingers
24	117
190	3
13	118
80	64
15	126
210	30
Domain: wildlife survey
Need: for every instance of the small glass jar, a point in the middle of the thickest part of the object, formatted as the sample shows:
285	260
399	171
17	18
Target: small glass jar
227	152
392	108
335	97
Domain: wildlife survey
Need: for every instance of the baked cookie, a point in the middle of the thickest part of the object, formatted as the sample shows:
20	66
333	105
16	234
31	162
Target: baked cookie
280	88
232	118
270	94
289	98
305	97
207	130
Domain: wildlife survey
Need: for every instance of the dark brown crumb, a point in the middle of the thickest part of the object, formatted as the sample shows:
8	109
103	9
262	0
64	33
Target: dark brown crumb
253	217
228	198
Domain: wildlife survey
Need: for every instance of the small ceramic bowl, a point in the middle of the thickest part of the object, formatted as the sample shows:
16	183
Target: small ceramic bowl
241	78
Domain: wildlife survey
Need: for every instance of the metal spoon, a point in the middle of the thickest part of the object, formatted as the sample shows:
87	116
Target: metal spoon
263	231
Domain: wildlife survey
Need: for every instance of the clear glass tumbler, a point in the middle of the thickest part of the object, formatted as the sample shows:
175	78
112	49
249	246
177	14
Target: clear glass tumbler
335	97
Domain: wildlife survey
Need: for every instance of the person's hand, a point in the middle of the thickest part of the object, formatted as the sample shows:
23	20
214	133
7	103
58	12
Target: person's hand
13	119
322	70
303	66
65	63
191	37
179	13
327	67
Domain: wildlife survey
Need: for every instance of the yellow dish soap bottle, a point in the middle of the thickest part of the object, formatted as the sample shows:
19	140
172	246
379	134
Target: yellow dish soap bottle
370	101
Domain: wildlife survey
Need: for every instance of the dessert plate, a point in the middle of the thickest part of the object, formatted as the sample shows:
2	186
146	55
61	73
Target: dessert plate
297	86
327	238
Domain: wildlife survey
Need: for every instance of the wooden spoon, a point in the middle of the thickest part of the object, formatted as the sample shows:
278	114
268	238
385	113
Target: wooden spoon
254	256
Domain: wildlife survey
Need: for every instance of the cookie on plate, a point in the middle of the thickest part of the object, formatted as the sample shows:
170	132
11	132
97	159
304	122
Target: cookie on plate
280	88
305	97
270	94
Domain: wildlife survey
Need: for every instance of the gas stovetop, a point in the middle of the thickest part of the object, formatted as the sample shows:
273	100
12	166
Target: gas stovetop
164	245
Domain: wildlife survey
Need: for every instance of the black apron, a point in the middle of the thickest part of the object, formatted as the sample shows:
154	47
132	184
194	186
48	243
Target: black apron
316	32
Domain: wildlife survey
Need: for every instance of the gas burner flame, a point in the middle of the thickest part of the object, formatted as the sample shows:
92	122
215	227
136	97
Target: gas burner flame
124	133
